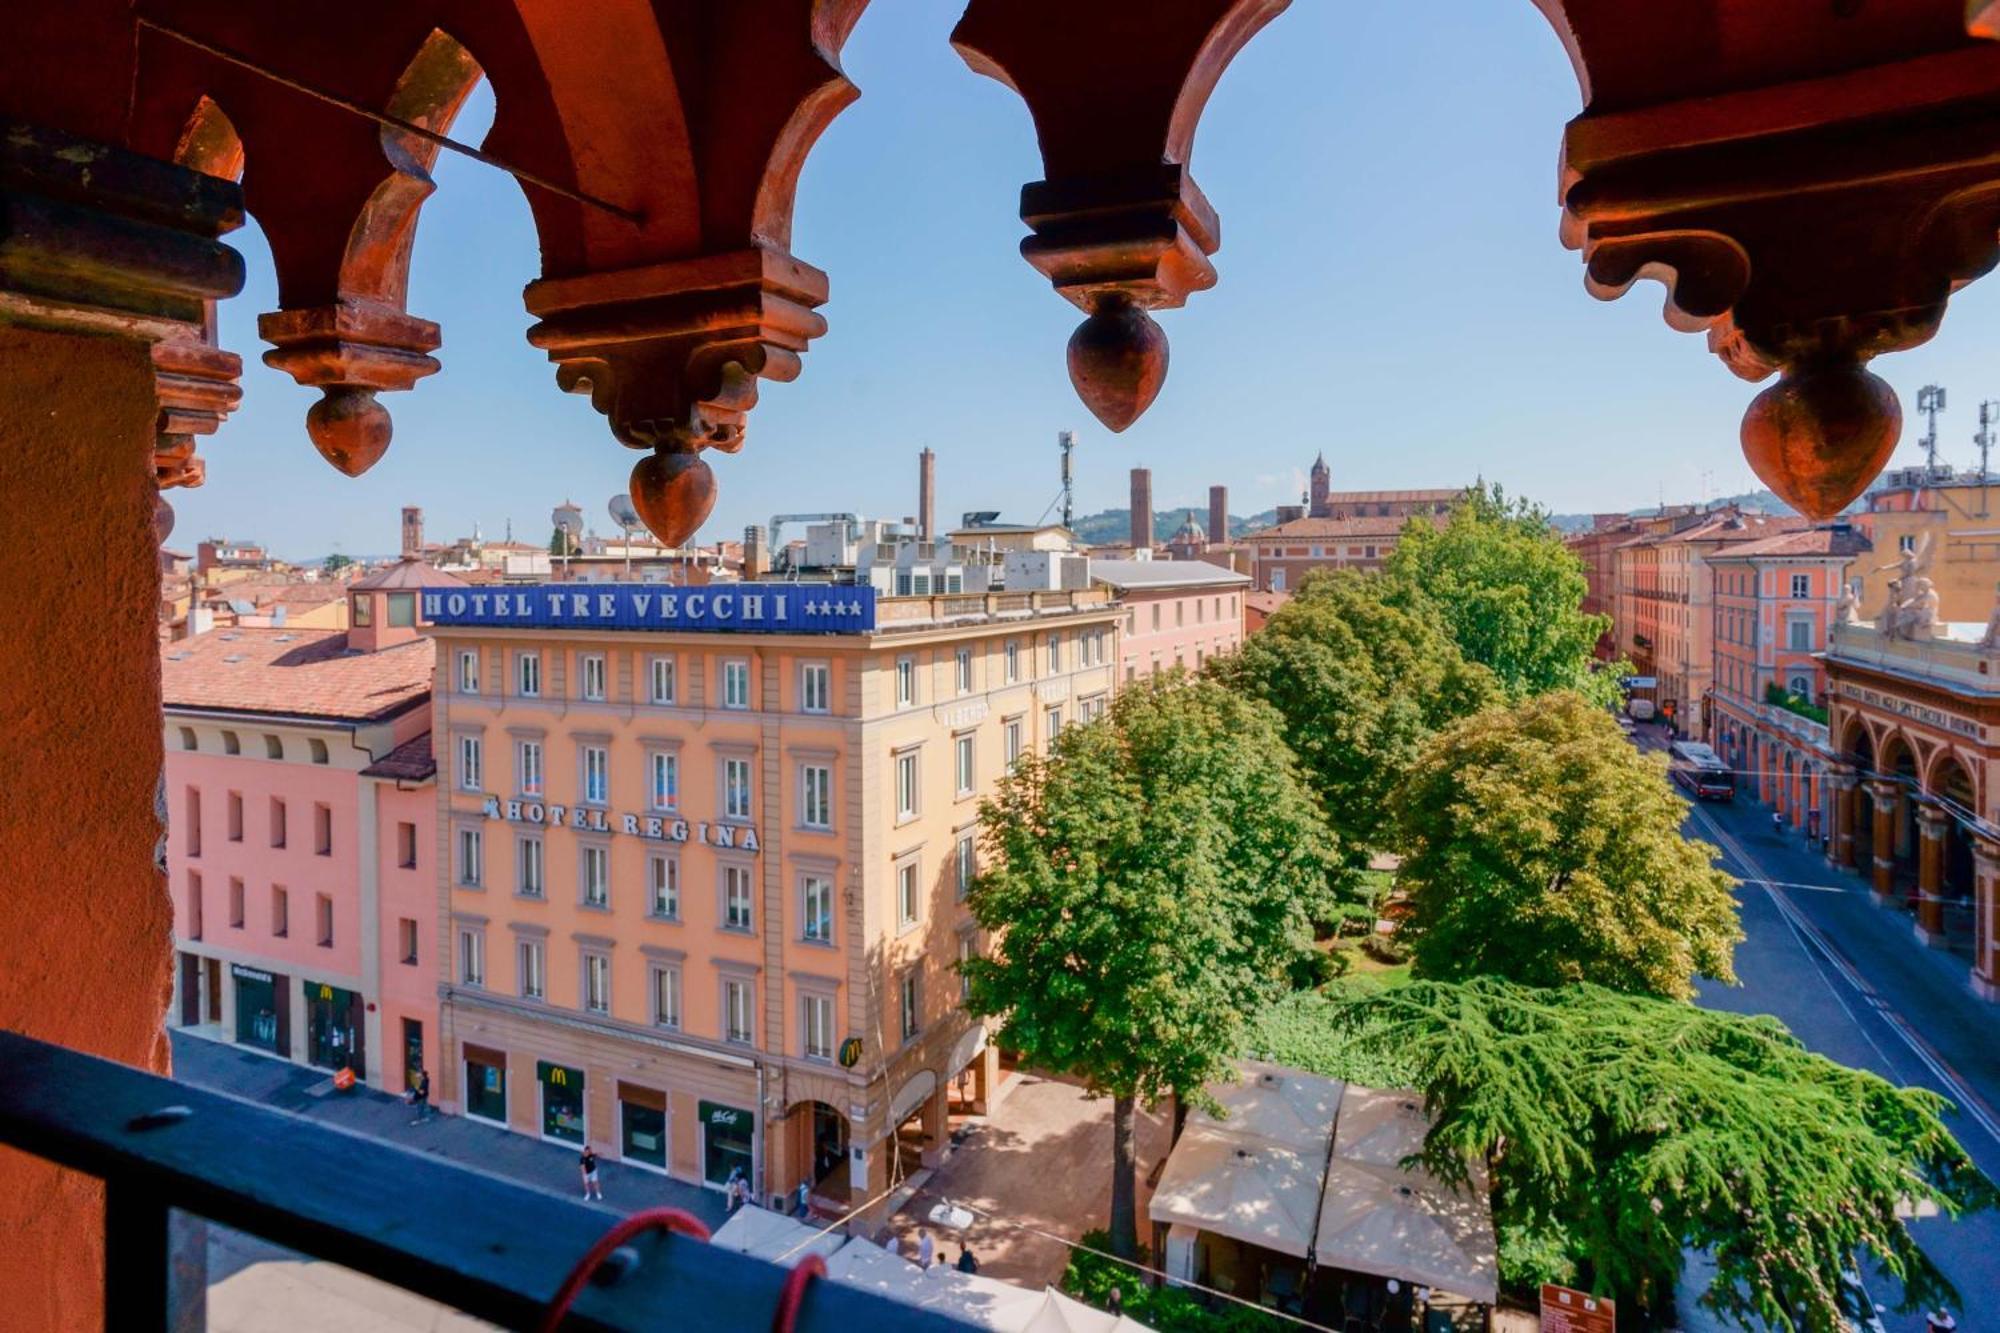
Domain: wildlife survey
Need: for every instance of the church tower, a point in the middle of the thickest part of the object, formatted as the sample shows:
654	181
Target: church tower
1322	485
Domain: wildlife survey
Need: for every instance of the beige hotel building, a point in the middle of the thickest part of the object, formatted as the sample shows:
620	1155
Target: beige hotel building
705	853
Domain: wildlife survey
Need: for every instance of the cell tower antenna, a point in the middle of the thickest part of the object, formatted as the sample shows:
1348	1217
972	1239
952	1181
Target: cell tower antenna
1930	401
1067	440
1989	416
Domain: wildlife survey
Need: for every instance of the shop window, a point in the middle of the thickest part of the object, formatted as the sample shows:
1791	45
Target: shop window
642	1126
486	1085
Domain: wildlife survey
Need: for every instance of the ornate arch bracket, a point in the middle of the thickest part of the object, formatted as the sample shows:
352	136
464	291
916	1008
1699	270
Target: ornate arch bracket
1807	229
1118	226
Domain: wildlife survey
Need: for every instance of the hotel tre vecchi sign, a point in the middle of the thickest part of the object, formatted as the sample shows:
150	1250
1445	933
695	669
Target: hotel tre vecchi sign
725	608
760	608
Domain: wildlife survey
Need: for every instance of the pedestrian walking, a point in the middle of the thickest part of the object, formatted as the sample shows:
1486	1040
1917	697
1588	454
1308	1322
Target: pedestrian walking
892	1242
803	1208
966	1263
926	1248
1940	1321
1777	822
588	1164
1115	1302
420	1096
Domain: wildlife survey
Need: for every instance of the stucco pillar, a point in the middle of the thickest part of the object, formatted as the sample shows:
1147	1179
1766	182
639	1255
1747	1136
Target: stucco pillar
1846	802
1986	918
1930	873
1883	798
937	1124
985	1079
110	256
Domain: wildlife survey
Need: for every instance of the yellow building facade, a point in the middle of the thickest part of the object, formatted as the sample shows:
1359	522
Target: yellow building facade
705	869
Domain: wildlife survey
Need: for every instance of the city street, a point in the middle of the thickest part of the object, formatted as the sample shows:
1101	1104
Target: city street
1851	981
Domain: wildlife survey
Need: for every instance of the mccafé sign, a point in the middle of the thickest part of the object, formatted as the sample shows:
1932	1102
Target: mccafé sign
659	828
742	608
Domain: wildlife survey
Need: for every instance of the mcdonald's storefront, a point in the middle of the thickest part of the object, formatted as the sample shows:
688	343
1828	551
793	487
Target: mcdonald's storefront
336	1027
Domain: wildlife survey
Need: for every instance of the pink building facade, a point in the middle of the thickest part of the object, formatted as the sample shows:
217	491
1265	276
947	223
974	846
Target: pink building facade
302	838
1773	602
1178	613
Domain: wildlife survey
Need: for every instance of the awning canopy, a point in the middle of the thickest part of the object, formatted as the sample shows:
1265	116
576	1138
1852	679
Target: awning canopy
1408	1225
1241	1187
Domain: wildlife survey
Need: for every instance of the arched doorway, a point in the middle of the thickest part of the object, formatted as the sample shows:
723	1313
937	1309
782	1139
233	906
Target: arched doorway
1859	749
1899	764
818	1137
1953	787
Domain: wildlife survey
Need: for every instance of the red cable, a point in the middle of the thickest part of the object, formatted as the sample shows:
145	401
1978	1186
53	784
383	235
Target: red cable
667	1219
793	1293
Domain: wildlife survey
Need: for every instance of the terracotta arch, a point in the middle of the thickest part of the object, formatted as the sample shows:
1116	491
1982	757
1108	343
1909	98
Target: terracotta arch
1938	771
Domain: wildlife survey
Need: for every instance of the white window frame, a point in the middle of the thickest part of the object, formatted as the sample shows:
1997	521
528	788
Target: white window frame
739	802
962	670
595	761
1013	656
666	1002
909	991
964	763
663	681
468	671
1052	722
471	857
1055	653
906	682
909	895
1011	740
816	796
909	785
471	956
663	886
815	687
591	676
531	969
594	981
471	764
965	863
730	878
816	907
530	768
1801	585
736	683
816	1020
593	875
531	879
663	795
738	993
528	674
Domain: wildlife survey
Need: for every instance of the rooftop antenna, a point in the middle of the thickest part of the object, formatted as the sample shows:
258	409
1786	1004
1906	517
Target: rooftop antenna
1930	401
569	522
627	518
1066	440
1989	415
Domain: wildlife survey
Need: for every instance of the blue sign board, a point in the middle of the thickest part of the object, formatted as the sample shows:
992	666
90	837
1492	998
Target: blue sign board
733	608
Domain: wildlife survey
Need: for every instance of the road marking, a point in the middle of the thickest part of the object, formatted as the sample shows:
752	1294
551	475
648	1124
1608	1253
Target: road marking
1816	946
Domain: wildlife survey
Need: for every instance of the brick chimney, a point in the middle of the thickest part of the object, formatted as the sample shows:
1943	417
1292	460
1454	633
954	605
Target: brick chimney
927	496
1142	509
755	562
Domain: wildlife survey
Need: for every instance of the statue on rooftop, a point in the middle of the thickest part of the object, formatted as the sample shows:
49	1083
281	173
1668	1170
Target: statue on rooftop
1849	605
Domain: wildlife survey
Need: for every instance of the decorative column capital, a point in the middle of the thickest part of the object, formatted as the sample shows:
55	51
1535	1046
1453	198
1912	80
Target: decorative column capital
1883	792
1931	819
100	240
350	350
1807	229
671	354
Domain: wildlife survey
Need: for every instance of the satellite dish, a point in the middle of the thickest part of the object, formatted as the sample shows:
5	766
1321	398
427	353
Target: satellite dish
622	512
568	518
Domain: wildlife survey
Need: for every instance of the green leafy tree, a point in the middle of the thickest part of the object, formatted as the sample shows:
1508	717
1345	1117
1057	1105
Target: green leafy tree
1149	884
1510	593
1361	683
336	562
563	543
1619	1132
1540	846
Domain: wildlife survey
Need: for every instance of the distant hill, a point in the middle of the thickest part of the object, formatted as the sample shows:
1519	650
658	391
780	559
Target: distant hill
1113	527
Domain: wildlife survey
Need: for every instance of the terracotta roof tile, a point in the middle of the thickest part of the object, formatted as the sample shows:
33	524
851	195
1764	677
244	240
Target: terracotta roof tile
1814	541
295	673
412	761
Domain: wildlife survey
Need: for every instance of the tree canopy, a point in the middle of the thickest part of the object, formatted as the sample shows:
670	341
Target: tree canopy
1361	683
1509	592
1540	846
1622	1131
1149	884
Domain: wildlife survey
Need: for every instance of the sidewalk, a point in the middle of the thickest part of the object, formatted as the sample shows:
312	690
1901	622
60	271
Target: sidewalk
219	1067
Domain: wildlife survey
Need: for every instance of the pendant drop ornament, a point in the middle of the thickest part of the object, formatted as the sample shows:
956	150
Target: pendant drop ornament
349	428
1118	361
674	492
1821	433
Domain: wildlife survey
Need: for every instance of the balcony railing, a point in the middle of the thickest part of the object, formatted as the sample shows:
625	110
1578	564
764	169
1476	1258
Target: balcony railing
491	1248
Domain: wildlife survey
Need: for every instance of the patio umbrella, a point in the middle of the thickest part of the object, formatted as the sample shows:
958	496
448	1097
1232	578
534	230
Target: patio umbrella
1408	1225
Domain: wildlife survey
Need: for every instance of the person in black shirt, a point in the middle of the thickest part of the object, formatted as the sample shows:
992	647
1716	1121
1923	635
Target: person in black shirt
420	1097
588	1162
966	1263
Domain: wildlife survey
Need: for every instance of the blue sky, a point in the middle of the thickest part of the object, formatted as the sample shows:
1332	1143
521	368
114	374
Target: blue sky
1392	292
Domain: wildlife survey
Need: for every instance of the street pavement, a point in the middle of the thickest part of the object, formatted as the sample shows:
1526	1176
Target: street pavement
220	1067
1851	980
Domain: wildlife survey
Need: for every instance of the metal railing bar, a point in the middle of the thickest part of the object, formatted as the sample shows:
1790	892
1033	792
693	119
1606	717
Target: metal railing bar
486	1246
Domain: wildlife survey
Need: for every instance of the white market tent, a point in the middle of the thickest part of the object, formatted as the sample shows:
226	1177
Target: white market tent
1312	1168
983	1301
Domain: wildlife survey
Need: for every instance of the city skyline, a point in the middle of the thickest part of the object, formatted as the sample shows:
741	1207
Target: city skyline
1356	312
